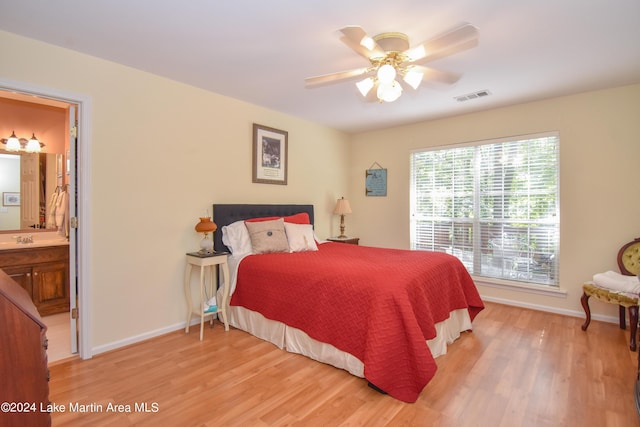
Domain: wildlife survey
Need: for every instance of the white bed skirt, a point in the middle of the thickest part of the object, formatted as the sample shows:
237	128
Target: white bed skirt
296	341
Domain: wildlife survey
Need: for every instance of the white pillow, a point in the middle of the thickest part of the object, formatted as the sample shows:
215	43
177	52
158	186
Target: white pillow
301	237
236	237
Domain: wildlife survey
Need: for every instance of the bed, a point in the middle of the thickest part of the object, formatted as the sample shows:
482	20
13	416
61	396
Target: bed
381	314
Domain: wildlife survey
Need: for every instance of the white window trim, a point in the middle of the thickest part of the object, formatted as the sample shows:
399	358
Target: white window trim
530	288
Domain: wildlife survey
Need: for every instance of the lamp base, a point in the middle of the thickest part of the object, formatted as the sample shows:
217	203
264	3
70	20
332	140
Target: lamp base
342	235
206	245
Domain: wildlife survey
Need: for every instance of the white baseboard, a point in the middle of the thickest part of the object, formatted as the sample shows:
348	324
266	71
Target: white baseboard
142	337
572	313
155	333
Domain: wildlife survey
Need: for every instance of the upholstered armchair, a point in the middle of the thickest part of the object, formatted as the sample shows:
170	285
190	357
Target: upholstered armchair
629	265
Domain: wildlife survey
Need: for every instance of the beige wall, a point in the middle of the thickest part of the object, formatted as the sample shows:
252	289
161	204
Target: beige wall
599	195
46	122
162	152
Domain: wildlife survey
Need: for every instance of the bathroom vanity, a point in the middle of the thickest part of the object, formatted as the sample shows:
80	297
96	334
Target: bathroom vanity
43	271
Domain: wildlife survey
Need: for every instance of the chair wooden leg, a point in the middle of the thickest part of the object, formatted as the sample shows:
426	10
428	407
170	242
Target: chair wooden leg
623	317
587	311
633	319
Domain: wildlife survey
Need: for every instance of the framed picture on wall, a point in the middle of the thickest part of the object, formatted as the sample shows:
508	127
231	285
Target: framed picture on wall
10	199
270	155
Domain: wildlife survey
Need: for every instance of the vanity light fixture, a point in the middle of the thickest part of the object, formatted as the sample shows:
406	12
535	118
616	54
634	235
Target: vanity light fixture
13	143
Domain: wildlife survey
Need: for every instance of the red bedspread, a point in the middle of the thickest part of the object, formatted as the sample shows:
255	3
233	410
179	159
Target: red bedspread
380	305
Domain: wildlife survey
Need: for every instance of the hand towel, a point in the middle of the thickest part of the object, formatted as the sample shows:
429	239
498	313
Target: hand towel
61	207
617	282
51	208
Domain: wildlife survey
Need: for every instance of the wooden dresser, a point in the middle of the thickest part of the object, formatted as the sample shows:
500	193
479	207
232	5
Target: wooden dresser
24	375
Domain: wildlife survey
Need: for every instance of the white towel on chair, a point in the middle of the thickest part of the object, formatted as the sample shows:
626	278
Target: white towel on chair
617	282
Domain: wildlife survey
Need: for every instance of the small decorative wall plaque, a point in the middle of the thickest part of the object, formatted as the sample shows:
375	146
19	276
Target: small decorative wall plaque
376	180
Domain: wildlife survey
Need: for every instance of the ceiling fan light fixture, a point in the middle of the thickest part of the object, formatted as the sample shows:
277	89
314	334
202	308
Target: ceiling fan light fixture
386	74
389	92
364	86
413	78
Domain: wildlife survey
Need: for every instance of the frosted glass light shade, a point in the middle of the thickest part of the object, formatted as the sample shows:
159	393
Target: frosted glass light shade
389	92
413	78
364	86
33	146
13	143
386	74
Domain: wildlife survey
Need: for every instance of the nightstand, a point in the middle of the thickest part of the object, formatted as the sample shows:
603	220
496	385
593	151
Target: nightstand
206	264
349	240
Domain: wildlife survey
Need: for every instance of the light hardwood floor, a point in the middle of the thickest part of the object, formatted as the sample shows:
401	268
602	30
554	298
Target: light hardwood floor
58	335
517	368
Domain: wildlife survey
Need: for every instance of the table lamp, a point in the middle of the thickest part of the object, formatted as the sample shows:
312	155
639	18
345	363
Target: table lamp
206	226
342	208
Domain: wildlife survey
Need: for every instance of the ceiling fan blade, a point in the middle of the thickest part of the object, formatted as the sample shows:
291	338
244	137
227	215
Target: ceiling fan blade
334	77
453	41
358	40
433	75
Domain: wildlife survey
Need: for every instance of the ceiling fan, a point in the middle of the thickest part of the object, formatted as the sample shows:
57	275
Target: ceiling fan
391	57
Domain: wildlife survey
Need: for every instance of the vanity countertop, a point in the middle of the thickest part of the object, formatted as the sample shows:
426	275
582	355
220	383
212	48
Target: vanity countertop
10	240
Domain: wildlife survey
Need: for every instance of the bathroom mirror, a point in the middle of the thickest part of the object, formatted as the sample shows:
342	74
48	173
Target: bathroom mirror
28	182
30	179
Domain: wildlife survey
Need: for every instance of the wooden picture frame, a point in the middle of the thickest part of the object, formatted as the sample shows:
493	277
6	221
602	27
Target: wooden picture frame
10	199
270	155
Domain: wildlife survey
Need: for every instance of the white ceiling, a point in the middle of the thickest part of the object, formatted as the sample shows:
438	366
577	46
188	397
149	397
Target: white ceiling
260	51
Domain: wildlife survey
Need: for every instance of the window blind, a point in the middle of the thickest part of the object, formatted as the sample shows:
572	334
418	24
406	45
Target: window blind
494	205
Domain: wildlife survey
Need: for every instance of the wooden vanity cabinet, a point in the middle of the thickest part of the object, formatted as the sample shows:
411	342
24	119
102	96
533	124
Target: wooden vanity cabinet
24	374
43	272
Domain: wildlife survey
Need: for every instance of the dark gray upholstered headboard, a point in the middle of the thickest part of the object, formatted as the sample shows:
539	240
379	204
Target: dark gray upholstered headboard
228	214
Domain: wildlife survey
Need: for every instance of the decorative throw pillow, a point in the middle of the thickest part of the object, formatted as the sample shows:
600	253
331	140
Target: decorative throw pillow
268	236
300	237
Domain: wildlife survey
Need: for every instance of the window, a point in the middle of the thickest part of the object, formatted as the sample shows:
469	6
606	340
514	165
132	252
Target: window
492	204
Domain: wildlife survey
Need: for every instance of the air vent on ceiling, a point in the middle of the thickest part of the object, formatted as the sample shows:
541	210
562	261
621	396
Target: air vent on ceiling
474	95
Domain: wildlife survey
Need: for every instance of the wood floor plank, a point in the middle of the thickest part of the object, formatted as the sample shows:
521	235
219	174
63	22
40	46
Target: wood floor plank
517	368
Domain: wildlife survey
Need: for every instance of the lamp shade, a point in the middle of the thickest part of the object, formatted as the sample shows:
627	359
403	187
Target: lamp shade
33	146
389	92
13	143
342	207
206	225
364	86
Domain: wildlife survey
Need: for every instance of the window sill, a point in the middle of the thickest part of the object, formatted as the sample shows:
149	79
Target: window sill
521	287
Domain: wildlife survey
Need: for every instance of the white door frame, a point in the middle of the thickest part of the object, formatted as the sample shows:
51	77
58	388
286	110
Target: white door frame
83	248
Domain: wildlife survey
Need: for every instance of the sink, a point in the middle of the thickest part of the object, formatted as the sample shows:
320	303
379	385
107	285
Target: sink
39	240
